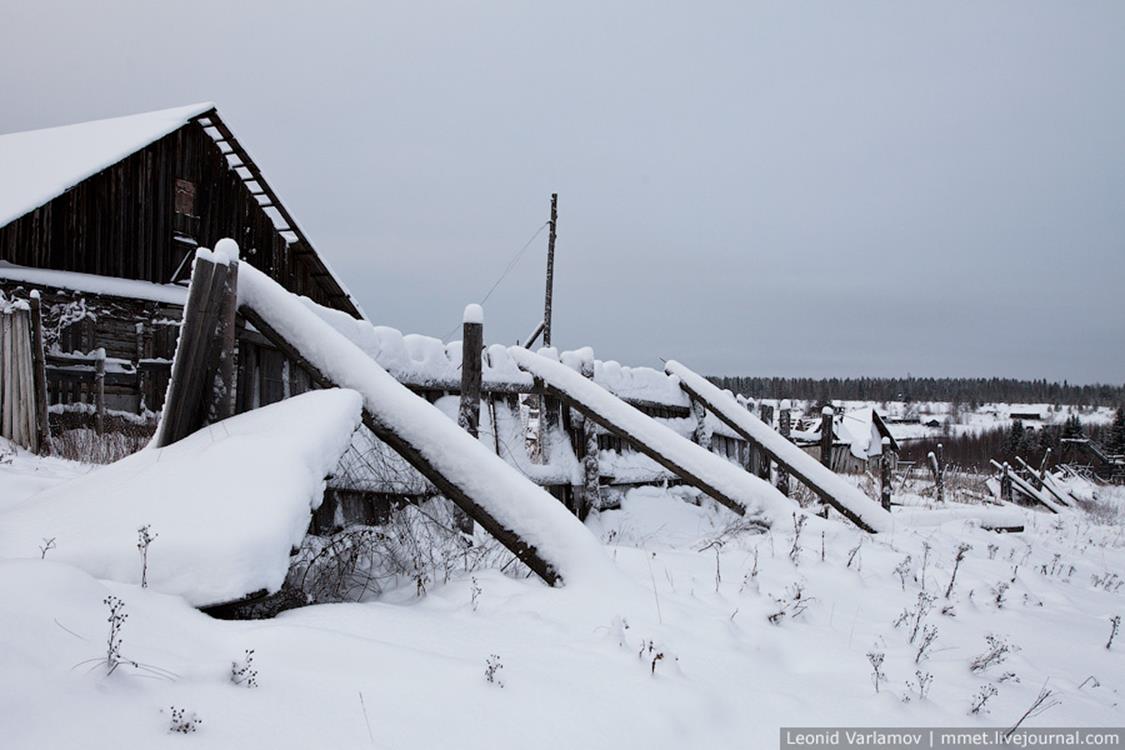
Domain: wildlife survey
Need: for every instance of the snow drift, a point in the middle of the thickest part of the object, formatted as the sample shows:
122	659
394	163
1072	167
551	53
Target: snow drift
227	503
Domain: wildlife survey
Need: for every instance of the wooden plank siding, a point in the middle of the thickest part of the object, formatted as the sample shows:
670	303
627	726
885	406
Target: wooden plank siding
123	222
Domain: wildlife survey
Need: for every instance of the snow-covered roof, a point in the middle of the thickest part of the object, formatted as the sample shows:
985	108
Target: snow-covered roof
172	294
37	166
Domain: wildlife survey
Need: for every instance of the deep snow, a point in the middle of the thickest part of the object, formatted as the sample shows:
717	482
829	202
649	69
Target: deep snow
577	670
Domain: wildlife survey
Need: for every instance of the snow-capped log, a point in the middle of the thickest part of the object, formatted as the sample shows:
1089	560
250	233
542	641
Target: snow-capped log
523	517
844	497
1046	482
225	505
740	491
1027	489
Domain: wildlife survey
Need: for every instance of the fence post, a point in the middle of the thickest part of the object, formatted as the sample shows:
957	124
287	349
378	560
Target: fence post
223	387
99	391
784	425
468	413
197	352
700	435
937	468
1005	484
591	492
766	412
826	416
885	473
39	362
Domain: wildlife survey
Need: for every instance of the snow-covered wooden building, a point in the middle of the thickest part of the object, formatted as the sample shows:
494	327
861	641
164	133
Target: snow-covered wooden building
103	218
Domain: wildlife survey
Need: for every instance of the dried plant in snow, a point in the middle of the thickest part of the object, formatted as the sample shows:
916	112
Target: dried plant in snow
999	649
925	680
183	722
901	570
981	698
962	548
791	604
243	672
492	667
852	554
45	547
876	659
799	521
144	539
999	594
929	635
1043	702
116	620
476	592
1114	626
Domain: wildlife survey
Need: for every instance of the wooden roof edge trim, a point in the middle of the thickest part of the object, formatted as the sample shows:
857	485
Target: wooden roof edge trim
334	288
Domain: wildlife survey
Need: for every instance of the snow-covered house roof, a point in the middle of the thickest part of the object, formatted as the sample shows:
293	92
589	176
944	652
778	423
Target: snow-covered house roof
38	165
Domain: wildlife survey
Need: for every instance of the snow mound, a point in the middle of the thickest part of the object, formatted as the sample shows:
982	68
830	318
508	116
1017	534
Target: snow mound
227	503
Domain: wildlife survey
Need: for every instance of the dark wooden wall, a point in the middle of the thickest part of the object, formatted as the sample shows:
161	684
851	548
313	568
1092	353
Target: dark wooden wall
124	222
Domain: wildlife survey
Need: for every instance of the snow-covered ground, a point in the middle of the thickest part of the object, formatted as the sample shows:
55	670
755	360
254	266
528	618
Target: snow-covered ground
914	420
678	651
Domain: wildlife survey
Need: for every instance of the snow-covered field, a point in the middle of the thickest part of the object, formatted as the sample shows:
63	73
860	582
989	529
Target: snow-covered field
678	651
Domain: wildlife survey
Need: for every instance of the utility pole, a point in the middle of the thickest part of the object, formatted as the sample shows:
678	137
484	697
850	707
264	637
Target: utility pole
550	270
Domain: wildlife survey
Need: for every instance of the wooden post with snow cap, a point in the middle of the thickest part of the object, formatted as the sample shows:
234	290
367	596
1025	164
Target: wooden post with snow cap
468	414
1005	483
766	414
937	468
826	416
885	478
39	363
784	426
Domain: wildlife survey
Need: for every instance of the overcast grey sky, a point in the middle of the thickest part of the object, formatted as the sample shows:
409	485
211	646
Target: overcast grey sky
795	188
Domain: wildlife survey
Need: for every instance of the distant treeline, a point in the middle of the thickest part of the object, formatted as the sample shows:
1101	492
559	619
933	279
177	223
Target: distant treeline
968	391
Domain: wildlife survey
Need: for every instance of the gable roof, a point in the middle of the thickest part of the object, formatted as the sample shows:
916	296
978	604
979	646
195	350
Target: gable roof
37	166
40	165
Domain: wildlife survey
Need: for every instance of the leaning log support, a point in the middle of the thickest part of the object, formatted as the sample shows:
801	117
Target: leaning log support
1012	479
451	489
674	452
199	350
849	501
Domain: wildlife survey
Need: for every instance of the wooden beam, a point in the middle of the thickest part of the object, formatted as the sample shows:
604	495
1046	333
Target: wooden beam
526	553
667	462
822	493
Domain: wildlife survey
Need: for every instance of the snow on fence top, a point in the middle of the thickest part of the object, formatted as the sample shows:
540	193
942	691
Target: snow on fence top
507	497
416	360
225	504
850	500
40	165
171	294
424	361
